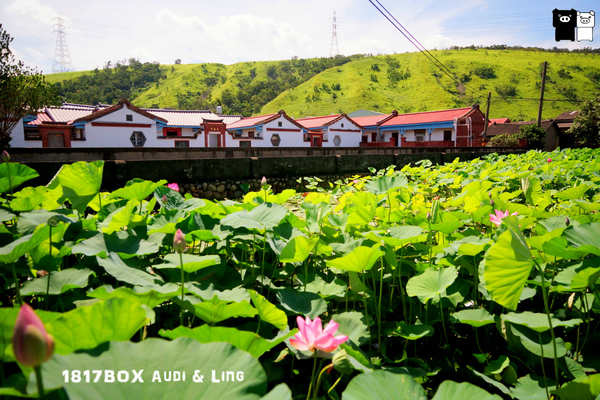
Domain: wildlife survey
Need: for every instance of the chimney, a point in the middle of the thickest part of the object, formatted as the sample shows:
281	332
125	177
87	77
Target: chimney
219	109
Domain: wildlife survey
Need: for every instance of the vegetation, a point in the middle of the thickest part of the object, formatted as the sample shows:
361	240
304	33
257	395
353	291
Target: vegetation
406	82
476	279
586	127
22	90
534	135
504	140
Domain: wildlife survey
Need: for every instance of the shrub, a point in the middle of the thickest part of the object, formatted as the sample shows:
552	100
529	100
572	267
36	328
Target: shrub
375	67
485	72
534	134
504	140
506	90
374	78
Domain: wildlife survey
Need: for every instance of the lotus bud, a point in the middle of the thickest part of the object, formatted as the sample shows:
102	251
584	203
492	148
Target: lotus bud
32	345
179	241
5	156
164	198
549	160
263	181
53	221
428	215
173	186
567	221
571	300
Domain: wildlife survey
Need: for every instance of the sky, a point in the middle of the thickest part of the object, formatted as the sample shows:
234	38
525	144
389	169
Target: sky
229	31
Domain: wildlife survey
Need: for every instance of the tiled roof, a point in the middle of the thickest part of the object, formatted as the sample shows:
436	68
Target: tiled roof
251	121
183	117
123	102
567	116
514	127
427	116
370	120
229	119
498	121
316	122
68	114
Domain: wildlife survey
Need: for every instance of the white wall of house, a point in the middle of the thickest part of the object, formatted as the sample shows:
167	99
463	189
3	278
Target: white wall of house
18	137
290	138
350	134
187	134
119	136
437	134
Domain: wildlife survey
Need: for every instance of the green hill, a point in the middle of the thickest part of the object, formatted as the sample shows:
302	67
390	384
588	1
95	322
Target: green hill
409	83
406	82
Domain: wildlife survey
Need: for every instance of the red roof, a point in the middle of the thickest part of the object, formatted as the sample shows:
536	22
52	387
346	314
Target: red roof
252	121
316	122
371	120
427	116
498	121
123	102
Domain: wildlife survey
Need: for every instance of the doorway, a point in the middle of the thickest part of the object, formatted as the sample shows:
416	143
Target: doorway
316	141
56	139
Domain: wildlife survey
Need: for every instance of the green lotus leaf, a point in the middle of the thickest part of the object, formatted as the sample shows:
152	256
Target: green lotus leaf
508	264
80	182
297	249
151	296
87	327
412	332
538	321
263	217
243	340
302	303
431	284
352	324
114	266
60	282
137	189
12	175
383	385
191	262
477	317
268	312
450	390
360	259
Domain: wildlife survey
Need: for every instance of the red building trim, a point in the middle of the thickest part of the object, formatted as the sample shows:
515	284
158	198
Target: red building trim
121	124
214	126
65	130
284	130
344	130
166	129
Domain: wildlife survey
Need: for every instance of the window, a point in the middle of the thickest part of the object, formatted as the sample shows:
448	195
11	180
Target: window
172	133
182	144
137	139
78	134
420	135
275	140
237	134
342	124
128	117
245	143
447	136
32	134
279	124
251	134
337	140
365	139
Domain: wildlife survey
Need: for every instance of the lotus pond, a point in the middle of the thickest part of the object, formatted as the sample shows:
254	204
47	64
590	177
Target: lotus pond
476	279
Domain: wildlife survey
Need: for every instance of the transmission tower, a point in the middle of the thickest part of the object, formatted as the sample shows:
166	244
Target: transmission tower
334	49
62	58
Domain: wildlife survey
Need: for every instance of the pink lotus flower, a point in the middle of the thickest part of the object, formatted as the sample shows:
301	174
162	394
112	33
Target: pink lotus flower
549	160
313	337
499	216
263	181
179	241
32	345
173	186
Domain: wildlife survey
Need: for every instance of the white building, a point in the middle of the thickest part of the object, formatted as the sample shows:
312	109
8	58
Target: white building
337	130
270	130
121	125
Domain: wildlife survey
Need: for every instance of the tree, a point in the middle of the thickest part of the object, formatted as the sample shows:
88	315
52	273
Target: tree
23	90
534	134
585	131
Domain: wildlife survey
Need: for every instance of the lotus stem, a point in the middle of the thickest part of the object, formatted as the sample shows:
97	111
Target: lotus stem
39	381
312	377
381	268
49	272
389	200
182	287
542	364
17	289
334	384
443	322
547	309
316	390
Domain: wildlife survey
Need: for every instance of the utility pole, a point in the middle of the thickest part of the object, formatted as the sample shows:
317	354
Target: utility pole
539	118
334	49
487	116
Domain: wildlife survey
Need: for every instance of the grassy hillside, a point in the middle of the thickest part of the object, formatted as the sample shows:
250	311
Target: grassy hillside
406	82
509	74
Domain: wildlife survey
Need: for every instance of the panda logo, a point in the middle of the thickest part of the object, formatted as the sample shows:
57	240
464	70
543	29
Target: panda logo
585	26
564	23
